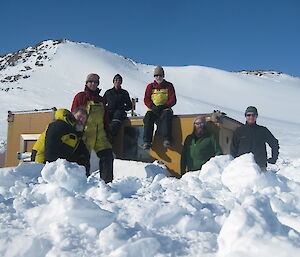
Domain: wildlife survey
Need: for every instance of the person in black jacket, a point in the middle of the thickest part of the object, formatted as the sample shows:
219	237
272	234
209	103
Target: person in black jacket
252	138
118	102
63	138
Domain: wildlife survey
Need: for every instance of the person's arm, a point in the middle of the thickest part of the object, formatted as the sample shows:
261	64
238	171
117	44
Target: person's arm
105	98
273	143
217	147
77	101
172	95
183	158
127	101
147	97
106	119
38	147
234	145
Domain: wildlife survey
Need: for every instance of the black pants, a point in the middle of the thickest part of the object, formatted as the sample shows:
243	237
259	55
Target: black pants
106	165
116	118
165	124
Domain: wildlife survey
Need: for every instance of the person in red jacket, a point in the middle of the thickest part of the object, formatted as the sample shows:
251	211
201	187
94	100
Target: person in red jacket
97	126
159	98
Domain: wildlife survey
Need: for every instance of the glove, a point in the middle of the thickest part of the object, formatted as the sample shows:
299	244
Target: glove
272	160
33	155
155	108
162	107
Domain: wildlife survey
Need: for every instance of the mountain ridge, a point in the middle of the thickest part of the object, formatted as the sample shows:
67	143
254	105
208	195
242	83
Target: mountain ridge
39	52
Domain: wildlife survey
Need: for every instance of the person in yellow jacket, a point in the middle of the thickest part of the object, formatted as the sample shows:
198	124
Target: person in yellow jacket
63	139
159	97
96	131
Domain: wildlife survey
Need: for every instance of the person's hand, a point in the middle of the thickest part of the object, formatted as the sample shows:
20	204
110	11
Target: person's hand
272	160
109	137
155	108
162	107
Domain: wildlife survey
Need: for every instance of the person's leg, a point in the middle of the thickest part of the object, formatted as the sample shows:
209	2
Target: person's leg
116	121
106	164
149	120
166	126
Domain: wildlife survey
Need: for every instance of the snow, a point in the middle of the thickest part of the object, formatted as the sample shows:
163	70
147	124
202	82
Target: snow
228	209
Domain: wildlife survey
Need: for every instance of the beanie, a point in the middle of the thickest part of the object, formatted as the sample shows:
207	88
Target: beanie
159	71
92	77
251	109
118	76
201	119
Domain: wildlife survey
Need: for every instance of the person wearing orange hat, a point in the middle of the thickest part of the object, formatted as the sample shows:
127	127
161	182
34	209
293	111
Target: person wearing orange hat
96	130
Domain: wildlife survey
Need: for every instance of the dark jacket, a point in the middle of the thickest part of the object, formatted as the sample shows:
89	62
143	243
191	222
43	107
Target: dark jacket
117	100
252	139
197	151
63	141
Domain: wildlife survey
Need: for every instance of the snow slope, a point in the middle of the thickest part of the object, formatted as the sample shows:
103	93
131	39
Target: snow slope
229	208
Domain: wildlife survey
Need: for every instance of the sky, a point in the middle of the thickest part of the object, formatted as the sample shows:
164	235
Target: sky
230	35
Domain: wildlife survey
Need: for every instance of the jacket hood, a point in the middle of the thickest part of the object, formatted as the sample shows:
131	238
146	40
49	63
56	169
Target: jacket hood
66	116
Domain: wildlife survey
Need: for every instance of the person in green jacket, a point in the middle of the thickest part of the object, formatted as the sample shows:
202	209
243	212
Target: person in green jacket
198	147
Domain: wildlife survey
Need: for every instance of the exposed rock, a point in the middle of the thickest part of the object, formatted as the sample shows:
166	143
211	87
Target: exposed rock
25	53
39	64
39	51
259	72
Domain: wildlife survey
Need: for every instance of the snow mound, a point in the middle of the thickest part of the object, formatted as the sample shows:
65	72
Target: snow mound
229	208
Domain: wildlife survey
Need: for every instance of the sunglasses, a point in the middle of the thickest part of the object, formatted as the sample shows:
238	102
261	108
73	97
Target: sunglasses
93	81
199	123
251	114
158	75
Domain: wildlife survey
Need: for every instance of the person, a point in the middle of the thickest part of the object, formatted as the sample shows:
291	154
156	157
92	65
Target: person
96	131
159	98
63	139
198	147
252	138
118	102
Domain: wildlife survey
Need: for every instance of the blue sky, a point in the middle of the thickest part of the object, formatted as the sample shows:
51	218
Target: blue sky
225	34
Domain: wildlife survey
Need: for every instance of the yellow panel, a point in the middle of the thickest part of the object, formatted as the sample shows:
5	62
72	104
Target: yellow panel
182	126
24	123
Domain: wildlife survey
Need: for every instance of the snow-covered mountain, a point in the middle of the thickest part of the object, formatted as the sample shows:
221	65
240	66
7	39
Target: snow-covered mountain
229	208
52	72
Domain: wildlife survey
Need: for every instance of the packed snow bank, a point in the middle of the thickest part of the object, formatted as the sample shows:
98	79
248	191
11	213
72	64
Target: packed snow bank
229	208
